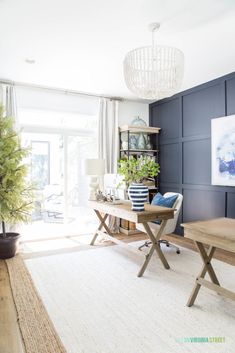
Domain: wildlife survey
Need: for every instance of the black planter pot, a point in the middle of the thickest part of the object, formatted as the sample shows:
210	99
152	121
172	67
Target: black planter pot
9	245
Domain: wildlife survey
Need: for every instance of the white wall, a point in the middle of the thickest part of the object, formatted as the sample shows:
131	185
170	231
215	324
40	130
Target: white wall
129	110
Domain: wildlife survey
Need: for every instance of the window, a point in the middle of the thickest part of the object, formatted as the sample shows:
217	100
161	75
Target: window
59	142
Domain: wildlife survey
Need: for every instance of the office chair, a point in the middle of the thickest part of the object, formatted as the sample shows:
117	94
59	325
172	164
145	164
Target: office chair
170	224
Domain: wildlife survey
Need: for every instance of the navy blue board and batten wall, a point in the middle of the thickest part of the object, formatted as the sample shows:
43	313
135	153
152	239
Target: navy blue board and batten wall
185	148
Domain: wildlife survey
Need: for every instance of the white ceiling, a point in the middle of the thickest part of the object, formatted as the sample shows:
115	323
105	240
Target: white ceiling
81	44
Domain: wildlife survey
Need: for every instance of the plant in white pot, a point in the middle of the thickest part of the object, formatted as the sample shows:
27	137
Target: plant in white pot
135	171
16	194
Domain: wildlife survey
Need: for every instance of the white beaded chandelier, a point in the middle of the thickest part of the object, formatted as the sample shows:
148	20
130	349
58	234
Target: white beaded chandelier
154	72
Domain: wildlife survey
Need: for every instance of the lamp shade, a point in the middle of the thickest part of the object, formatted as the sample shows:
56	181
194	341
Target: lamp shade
94	166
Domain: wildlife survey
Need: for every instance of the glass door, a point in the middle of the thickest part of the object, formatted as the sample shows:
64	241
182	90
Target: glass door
46	162
56	168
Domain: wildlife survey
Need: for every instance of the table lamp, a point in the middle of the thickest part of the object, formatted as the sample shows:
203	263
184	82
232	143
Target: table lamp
94	168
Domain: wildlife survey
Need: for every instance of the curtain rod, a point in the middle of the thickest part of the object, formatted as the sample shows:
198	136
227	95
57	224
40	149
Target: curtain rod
59	90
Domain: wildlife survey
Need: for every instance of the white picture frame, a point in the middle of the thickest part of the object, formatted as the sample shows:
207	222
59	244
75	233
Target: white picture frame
223	151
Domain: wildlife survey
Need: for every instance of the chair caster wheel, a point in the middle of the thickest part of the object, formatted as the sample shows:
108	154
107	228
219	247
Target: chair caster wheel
177	251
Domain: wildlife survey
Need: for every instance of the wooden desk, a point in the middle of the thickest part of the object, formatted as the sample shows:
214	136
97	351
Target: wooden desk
151	213
217	233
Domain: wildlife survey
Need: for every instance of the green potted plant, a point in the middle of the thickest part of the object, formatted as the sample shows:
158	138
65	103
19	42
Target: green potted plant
135	171
16	194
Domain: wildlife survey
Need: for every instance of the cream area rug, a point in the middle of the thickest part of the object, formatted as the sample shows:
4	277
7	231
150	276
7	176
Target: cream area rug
98	305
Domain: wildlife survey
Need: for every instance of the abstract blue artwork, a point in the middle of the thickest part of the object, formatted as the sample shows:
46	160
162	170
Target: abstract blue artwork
223	151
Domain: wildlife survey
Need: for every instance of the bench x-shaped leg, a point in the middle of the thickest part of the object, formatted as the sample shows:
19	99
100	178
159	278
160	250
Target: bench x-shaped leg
102	224
207	267
155	246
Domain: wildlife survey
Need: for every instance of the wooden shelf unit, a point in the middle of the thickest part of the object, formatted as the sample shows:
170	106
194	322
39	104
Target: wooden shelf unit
140	129
126	226
138	151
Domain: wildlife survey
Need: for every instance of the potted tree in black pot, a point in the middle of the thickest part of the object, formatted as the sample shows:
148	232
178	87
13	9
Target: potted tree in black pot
16	193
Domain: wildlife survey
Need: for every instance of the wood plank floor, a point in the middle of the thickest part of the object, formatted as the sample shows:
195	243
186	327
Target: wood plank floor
10	339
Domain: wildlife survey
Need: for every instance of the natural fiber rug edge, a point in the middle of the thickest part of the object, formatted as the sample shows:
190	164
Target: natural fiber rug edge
37	330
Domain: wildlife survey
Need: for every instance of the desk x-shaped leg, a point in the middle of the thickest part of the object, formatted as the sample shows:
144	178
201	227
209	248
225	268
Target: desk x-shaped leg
207	267
154	239
102	224
155	246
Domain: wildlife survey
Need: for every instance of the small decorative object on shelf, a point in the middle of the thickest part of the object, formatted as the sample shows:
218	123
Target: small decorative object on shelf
141	142
140	138
138	122
132	142
148	144
124	145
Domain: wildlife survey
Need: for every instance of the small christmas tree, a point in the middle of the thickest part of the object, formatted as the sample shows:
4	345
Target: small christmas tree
16	194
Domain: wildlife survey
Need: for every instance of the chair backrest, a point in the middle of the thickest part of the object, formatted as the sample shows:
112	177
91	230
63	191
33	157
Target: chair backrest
171	223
